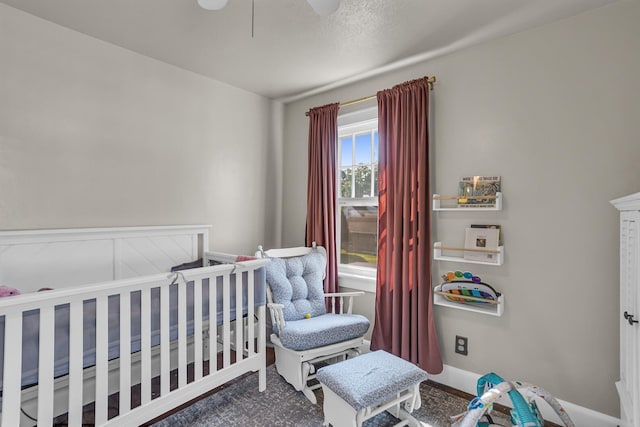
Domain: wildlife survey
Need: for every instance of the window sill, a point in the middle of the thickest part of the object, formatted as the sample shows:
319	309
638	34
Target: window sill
357	282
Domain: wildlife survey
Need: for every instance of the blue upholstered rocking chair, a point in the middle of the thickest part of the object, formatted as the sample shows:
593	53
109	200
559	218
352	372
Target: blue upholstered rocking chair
304	333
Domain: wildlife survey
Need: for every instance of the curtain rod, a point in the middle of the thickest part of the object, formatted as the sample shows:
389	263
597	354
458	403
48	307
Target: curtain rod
431	80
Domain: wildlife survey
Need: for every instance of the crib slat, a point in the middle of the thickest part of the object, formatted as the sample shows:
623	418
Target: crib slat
182	334
262	347
102	358
239	319
250	313
145	346
213	327
45	366
75	362
226	316
125	353
12	371
165	355
197	330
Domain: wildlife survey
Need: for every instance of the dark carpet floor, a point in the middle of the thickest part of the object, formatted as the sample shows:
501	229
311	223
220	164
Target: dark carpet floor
241	404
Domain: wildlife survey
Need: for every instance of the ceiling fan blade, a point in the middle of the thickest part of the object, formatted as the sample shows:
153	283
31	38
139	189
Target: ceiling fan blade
324	7
212	4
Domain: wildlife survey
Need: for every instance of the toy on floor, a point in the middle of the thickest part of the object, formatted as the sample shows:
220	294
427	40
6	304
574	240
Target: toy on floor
525	412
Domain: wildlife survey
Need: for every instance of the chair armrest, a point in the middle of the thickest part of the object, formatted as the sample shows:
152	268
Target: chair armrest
277	317
340	296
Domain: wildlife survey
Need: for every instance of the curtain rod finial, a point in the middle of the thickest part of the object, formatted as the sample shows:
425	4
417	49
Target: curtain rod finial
431	80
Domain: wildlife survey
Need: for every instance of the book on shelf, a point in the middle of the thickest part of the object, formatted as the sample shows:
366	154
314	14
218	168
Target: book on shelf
480	240
497	227
478	191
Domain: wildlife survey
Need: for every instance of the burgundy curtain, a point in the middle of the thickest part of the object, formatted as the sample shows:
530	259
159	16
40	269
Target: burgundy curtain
321	187
404	322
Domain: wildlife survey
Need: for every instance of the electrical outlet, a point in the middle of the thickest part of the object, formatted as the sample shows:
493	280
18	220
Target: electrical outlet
462	346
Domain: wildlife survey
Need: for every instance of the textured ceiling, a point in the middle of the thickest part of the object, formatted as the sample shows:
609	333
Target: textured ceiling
293	51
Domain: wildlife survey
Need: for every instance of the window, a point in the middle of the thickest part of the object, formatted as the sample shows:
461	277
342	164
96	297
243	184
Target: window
357	224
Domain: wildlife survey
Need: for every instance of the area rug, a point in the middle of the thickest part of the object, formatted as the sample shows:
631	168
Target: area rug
241	404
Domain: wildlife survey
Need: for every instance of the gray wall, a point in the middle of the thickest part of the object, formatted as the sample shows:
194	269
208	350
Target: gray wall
95	135
554	111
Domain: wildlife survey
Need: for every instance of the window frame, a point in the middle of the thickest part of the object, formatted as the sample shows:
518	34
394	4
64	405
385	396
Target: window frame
362	122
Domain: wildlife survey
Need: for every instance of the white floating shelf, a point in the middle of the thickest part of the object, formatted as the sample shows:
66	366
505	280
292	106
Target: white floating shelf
438	248
438	207
490	309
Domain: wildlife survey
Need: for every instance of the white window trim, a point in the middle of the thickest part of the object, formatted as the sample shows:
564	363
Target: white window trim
359	127
357	282
357	116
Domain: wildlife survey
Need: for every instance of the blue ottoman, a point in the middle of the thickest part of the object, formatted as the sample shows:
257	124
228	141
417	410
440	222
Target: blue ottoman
360	388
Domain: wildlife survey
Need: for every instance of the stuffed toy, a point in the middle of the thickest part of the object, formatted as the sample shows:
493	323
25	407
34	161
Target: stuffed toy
8	291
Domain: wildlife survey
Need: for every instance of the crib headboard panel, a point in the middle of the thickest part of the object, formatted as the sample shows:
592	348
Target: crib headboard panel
33	259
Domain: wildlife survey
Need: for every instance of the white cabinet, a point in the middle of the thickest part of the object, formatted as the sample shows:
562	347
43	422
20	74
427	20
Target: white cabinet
629	384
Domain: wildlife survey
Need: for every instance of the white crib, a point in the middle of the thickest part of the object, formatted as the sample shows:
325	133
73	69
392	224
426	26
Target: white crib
129	316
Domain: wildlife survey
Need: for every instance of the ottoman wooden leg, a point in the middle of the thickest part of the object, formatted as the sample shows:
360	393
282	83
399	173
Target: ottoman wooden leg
337	412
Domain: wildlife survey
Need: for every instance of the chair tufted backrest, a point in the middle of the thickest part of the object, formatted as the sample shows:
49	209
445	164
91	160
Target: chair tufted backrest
297	284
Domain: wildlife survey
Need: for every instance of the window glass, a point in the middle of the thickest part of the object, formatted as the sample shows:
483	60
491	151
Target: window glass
346	178
346	153
363	149
375	180
363	181
359	236
375	145
358	200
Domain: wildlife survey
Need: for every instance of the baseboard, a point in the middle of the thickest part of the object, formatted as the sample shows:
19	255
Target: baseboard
584	417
